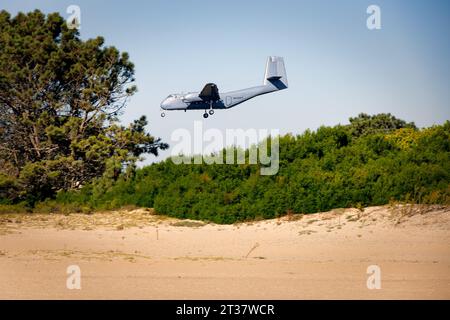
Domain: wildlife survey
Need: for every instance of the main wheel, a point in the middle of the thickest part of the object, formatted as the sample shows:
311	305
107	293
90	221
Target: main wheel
205	115
163	115
211	112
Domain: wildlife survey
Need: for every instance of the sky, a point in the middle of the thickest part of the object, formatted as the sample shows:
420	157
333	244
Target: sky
336	67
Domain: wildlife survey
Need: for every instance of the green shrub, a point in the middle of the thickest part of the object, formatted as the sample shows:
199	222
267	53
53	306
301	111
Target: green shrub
330	168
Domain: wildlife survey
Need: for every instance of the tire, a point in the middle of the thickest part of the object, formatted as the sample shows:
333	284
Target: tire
205	115
211	112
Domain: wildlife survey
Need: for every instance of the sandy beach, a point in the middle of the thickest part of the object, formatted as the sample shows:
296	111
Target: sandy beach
136	254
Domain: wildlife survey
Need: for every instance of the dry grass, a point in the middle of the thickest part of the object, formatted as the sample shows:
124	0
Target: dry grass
188	223
312	221
306	232
400	211
56	255
112	220
256	245
122	219
203	258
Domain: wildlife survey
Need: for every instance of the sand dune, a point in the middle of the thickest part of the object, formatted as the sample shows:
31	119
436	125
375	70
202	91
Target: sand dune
136	254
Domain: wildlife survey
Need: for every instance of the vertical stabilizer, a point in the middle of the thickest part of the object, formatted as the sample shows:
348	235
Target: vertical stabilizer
276	73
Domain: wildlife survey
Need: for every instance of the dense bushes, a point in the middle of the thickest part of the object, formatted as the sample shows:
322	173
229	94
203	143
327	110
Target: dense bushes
329	168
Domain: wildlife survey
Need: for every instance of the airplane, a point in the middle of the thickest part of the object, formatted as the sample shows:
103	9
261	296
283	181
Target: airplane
210	98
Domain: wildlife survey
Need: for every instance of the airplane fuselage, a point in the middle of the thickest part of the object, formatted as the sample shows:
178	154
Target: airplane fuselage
210	98
192	101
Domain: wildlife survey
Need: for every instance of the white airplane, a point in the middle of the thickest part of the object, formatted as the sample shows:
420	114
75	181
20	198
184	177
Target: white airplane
209	98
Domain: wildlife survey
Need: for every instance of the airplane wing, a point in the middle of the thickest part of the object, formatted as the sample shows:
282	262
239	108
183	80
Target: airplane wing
210	92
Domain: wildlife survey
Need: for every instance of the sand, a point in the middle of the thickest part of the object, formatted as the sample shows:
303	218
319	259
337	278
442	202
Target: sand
139	255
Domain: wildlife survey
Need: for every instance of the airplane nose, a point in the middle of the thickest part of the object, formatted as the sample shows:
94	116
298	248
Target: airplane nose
164	104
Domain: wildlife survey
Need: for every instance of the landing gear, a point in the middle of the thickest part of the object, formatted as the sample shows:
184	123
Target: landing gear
163	114
210	111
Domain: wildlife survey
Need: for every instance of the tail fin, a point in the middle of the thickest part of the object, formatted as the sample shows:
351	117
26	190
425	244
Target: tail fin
276	73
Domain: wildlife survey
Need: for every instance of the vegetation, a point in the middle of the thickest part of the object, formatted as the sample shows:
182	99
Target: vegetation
59	101
62	148
330	168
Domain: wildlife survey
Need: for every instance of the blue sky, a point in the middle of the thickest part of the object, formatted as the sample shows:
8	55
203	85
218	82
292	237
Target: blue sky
336	67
